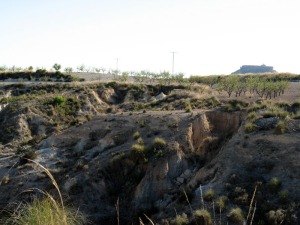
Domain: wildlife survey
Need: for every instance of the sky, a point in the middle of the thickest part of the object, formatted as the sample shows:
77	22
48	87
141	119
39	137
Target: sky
208	36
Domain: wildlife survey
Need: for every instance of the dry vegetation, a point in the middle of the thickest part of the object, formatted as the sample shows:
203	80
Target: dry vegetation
207	152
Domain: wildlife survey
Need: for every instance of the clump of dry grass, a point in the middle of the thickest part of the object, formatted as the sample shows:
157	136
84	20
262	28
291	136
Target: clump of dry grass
46	211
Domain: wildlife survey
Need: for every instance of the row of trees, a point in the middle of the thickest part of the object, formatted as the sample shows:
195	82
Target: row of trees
262	86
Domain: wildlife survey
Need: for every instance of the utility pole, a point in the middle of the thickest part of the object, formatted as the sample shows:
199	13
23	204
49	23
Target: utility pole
117	64
173	53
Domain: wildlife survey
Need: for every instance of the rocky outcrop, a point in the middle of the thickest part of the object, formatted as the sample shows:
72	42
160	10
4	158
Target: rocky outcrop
254	69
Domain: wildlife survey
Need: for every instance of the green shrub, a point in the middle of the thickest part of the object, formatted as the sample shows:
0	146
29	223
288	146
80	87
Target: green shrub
59	100
236	216
249	127
202	217
209	195
274	184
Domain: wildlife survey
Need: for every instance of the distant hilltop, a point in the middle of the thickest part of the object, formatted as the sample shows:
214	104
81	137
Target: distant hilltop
254	69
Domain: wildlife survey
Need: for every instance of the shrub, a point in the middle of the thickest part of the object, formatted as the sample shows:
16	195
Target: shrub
274	184
140	141
281	127
252	116
188	106
236	216
45	211
202	217
4	180
241	196
159	143
284	196
180	220
137	148
221	203
249	127
274	111
275	217
209	195
59	100
136	135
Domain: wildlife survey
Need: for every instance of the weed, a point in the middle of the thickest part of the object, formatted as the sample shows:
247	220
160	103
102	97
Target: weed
138	148
202	216
136	135
140	141
236	216
159	143
281	127
4	180
275	217
284	196
274	184
252	116
45	211
249	127
222	203
241	196
180	220
209	195
59	100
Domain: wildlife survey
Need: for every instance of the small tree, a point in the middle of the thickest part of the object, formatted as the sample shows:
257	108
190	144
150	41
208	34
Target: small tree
81	68
57	67
124	76
30	68
3	68
69	70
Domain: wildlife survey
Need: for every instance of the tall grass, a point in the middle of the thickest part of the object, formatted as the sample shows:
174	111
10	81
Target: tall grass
46	211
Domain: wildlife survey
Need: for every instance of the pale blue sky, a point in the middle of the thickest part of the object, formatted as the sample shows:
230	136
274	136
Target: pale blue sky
210	36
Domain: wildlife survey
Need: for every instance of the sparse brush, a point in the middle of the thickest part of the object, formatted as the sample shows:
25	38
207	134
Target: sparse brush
140	141
209	195
252	116
136	135
296	115
236	216
284	196
180	220
221	203
275	111
159	143
274	184
138	148
249	127
46	212
4	180
202	216
281	127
